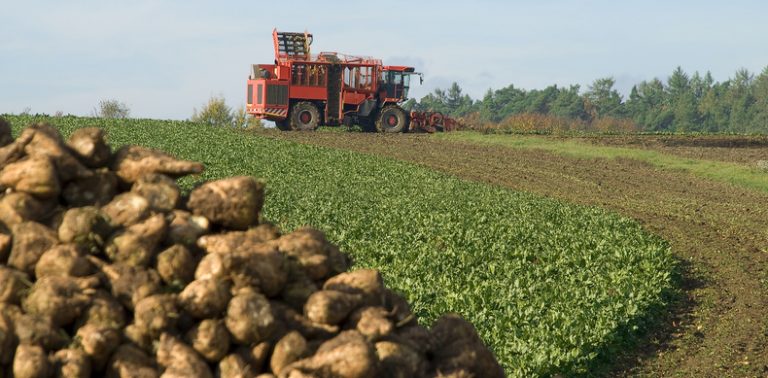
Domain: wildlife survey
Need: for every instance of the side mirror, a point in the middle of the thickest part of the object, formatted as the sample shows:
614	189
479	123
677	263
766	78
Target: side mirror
421	79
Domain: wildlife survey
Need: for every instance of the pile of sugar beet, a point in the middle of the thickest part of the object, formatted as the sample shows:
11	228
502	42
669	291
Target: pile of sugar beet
108	269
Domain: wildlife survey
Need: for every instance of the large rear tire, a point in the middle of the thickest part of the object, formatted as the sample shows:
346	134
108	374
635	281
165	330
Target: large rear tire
304	116
282	125
392	119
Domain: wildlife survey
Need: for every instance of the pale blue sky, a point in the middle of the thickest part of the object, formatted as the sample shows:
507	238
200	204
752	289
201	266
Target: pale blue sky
163	58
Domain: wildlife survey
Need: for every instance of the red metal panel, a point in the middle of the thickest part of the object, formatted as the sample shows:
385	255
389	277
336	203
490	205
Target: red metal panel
353	98
308	93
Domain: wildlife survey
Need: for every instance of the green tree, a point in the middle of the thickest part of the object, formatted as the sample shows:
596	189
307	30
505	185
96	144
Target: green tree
713	109
605	100
454	98
112	109
489	109
760	120
741	100
241	119
678	84
649	104
214	113
569	104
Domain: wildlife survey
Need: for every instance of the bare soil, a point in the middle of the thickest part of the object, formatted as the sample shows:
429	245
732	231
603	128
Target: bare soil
737	149
719	326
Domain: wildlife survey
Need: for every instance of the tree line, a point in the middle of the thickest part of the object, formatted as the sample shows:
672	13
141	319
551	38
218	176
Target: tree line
682	103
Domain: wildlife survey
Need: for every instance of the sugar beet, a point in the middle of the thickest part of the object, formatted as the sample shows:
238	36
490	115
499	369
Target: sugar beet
233	203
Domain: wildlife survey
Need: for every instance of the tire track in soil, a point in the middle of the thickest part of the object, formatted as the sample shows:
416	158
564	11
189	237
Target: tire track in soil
719	327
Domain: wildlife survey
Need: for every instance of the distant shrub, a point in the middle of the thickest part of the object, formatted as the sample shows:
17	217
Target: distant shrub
614	125
214	113
112	109
243	120
536	123
217	113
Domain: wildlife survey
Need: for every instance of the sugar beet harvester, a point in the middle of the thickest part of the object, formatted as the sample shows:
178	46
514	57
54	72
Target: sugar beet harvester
301	91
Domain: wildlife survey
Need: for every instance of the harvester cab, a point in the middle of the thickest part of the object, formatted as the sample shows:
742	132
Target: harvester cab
395	82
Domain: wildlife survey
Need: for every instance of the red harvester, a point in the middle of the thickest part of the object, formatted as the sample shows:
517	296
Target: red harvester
302	91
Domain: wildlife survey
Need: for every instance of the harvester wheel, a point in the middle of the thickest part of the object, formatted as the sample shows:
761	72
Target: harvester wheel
282	125
392	119
304	117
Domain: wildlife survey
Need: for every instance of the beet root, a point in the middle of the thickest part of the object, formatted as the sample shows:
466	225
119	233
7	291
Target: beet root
126	209
17	207
71	363
156	314
131	284
31	361
180	359
207	298
399	361
291	348
366	282
96	190
35	175
13	284
249	317
372	322
133	162
89	145
37	330
161	192
47	141
210	339
347	355
138	244
456	347
330	306
186	228
7	339
130	361
238	240
315	254
86	226
60	298
234	366
233	203
104	311
30	241
98	343
176	265
63	260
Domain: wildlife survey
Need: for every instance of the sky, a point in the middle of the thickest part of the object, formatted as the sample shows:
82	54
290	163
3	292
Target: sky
163	59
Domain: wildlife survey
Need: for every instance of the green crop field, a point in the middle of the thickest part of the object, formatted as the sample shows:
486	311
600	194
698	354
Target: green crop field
551	287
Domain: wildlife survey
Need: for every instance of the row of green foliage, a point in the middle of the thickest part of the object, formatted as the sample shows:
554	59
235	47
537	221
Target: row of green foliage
551	287
681	103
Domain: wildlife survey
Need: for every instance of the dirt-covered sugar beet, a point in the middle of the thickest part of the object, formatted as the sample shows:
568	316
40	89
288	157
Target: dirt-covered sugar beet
107	268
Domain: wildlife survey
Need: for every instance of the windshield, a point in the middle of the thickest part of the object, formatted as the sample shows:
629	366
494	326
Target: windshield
396	84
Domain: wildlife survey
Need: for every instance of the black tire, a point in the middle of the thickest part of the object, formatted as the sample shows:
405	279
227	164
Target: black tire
282	125
367	124
392	119
304	117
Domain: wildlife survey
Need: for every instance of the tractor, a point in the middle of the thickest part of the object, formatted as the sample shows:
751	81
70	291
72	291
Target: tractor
302	91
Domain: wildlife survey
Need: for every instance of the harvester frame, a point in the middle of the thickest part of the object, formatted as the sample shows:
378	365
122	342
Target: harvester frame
302	91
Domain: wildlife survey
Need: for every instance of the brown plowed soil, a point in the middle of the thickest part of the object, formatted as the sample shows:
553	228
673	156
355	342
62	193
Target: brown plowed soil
719	233
738	149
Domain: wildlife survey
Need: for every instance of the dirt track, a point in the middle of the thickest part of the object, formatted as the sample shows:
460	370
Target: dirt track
736	149
717	231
